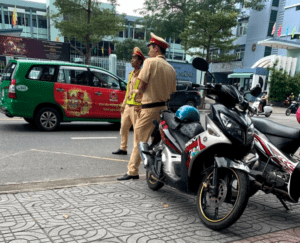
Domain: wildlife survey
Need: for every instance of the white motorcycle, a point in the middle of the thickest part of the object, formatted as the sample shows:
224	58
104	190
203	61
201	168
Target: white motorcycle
256	110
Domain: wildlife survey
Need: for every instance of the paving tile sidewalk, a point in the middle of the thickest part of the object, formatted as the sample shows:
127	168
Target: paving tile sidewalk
131	212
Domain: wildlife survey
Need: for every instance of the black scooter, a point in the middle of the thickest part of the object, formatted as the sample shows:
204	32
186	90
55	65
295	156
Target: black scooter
292	109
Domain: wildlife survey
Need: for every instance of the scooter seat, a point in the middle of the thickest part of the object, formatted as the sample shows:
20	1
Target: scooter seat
182	132
285	138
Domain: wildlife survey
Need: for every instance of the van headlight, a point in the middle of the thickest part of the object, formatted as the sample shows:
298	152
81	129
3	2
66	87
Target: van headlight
233	128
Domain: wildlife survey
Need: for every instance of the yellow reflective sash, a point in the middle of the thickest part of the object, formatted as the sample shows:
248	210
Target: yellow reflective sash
131	101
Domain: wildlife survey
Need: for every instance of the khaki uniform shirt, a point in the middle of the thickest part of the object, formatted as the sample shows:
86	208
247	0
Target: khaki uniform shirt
160	77
131	87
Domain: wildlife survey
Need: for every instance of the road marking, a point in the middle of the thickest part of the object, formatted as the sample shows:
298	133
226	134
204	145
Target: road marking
80	155
93	137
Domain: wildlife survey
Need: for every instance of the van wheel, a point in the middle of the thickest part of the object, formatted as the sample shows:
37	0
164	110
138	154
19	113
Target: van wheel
191	103
47	119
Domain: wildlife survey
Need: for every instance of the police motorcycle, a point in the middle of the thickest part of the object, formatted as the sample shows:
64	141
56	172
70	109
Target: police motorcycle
207	163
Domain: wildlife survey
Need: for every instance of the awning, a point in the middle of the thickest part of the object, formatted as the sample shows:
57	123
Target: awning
281	44
240	75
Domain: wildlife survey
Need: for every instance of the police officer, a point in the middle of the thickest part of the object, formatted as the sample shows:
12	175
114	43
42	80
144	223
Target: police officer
157	81
131	104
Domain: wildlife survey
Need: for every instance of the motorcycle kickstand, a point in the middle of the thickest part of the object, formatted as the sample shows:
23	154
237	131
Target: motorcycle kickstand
283	203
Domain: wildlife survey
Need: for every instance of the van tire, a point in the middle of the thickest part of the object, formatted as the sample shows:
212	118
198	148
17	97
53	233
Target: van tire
47	119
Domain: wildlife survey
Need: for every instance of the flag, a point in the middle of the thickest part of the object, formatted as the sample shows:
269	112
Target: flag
287	30
102	49
273	30
293	32
109	50
14	17
279	31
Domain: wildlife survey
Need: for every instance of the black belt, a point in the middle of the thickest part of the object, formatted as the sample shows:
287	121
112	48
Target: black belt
152	105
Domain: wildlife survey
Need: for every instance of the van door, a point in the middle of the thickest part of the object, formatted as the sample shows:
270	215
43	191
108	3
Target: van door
108	95
73	93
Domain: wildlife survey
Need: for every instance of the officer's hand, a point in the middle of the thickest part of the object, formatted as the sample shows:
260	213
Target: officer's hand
138	109
122	109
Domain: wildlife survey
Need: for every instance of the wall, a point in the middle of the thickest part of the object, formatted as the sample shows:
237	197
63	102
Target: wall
295	53
257	30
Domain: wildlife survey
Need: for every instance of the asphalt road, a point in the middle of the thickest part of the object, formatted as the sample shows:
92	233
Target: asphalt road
75	151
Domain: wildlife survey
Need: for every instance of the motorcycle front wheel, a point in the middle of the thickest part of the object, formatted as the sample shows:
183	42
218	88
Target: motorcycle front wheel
152	183
224	210
288	112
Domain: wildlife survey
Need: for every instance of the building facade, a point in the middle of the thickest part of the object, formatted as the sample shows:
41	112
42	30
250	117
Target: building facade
264	33
33	23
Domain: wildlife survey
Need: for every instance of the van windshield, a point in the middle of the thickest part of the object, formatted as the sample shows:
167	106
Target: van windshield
8	71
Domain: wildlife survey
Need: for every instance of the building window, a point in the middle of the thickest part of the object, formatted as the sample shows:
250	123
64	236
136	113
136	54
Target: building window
275	3
0	18
43	23
178	41
242	28
121	34
298	8
273	18
268	51
240	53
139	34
6	19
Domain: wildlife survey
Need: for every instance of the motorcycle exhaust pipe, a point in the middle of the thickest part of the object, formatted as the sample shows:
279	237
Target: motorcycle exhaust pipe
145	154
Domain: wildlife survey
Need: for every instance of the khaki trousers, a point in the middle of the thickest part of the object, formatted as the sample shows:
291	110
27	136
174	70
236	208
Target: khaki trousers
142	132
128	118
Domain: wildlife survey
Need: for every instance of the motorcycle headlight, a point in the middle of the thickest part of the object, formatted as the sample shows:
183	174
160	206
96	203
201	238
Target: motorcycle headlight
233	128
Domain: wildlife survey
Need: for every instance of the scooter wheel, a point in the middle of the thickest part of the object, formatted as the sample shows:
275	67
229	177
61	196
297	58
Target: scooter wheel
288	112
221	211
152	183
268	114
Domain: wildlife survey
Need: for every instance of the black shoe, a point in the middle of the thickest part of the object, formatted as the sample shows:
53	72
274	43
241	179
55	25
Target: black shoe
120	151
128	177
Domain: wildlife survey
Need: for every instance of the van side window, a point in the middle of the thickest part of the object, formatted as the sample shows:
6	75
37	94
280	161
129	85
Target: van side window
8	71
42	73
73	75
104	80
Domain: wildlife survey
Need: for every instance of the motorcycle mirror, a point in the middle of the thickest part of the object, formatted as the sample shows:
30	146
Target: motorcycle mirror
255	91
200	64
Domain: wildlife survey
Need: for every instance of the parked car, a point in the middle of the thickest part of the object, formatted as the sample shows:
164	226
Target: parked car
46	93
187	93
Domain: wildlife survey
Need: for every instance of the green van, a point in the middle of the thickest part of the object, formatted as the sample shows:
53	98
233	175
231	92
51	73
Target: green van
46	93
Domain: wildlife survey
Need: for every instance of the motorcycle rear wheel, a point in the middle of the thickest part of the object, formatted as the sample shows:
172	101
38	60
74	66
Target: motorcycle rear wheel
288	112
152	183
233	198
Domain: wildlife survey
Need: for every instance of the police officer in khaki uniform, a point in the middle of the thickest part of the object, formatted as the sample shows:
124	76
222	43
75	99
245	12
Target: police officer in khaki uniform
131	105
157	82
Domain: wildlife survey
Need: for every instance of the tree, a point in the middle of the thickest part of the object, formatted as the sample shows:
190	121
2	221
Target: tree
207	32
167	18
86	21
124	49
282	84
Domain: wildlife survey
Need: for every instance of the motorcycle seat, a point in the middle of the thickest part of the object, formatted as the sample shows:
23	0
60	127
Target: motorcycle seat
182	132
285	138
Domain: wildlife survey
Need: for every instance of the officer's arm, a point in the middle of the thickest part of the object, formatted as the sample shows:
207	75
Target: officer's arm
141	88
